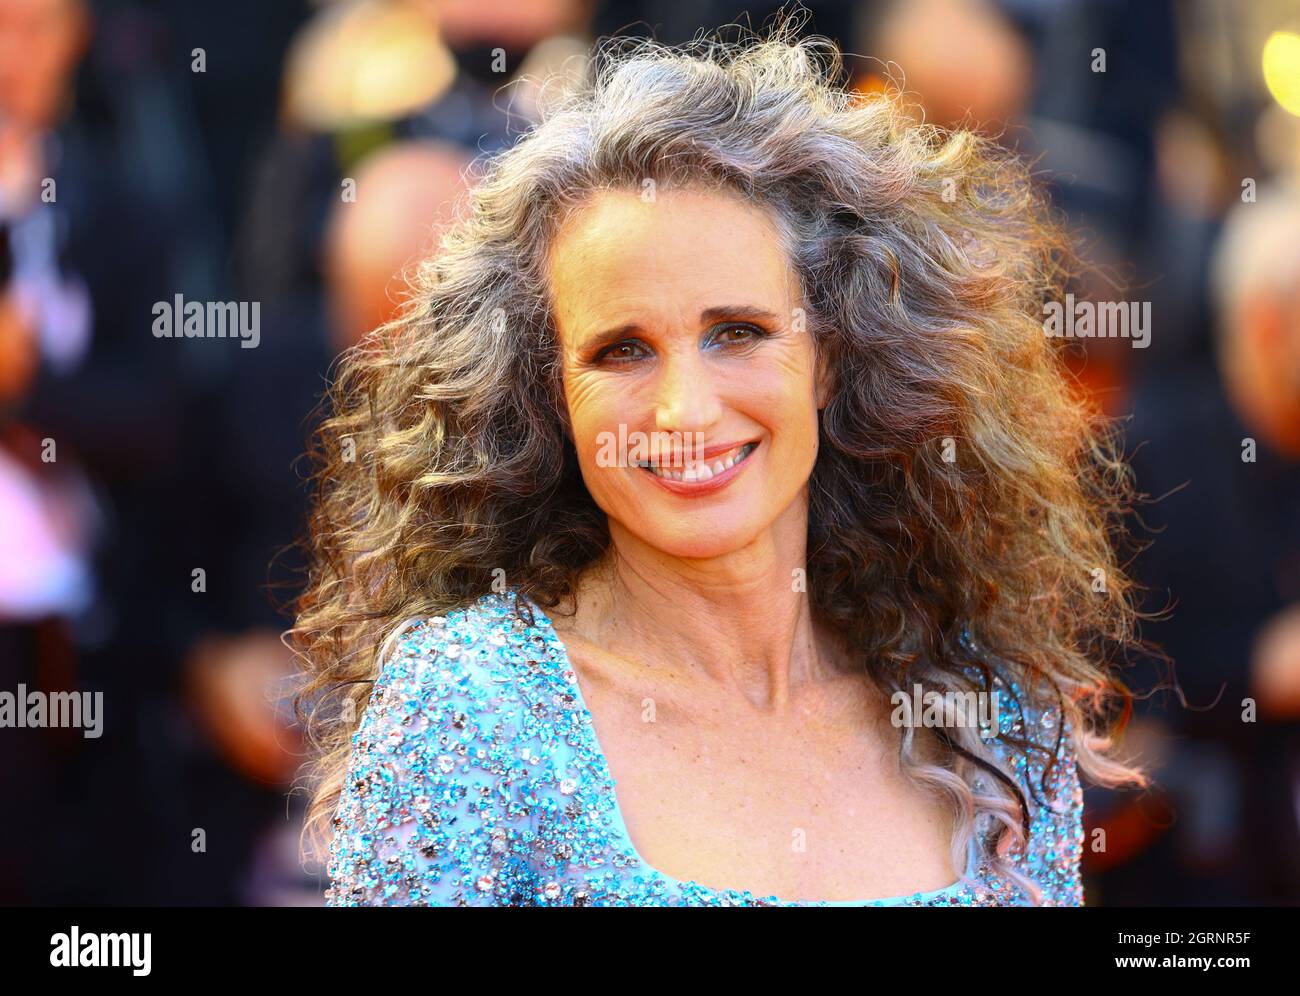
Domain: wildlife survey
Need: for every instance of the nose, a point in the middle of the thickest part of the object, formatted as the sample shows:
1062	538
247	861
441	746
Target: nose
686	394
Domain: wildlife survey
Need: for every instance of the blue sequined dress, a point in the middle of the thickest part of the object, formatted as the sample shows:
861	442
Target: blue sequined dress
476	779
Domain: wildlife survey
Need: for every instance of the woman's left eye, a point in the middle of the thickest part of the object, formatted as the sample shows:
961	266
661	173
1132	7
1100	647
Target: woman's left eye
748	333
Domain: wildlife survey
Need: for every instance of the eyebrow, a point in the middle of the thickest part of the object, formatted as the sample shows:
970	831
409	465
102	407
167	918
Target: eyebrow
739	312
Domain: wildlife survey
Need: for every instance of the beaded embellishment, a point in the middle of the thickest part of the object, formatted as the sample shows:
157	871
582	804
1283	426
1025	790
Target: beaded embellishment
476	779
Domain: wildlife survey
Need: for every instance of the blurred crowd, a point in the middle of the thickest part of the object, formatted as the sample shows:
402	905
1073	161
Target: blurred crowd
302	155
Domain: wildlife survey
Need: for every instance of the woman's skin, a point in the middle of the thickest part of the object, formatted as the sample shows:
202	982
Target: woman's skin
750	752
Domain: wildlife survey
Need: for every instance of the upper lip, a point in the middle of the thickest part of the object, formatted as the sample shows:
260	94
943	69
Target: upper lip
678	457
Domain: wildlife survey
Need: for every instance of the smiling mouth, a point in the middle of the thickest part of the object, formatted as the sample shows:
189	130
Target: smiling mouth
698	471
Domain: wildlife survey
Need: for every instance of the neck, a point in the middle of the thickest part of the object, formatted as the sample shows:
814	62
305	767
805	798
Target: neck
740	623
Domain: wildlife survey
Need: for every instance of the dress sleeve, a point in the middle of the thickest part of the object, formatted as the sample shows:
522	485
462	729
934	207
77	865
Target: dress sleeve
429	814
1056	829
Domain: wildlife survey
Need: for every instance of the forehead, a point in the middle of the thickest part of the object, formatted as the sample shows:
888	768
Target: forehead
685	249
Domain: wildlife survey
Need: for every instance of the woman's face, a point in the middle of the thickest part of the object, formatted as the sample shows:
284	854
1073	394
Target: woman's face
681	315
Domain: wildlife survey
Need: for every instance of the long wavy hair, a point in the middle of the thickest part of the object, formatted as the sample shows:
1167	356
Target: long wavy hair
961	481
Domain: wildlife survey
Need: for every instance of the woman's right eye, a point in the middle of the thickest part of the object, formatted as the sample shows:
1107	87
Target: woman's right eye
620	352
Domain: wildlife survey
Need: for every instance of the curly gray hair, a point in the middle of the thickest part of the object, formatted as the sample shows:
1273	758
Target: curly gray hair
960	486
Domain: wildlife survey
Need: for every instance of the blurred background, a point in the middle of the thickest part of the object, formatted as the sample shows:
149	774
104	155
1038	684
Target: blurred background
299	155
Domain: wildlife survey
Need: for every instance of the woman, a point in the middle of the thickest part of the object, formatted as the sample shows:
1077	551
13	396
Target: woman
720	433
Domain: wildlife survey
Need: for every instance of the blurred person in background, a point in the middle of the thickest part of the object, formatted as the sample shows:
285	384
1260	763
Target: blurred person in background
964	61
104	214
405	193
1224	528
1258	289
1025	74
44	314
1219	445
48	513
406	196
363	73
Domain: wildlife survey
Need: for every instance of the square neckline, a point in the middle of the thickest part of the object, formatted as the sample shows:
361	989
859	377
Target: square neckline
625	839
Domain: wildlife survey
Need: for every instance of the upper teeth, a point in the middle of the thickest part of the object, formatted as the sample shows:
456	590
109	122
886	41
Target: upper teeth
703	470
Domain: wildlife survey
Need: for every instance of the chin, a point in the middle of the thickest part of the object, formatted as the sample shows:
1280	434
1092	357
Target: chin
699	540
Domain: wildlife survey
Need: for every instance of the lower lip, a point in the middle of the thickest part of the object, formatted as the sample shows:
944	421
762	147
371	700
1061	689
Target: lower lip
693	488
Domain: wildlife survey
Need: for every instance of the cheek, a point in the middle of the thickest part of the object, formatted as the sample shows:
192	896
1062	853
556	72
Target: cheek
781	393
595	406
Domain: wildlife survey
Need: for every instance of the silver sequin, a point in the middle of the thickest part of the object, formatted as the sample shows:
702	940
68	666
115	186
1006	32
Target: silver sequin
476	779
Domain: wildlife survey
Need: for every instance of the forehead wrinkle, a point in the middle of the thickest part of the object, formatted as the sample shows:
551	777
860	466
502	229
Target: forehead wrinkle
586	242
